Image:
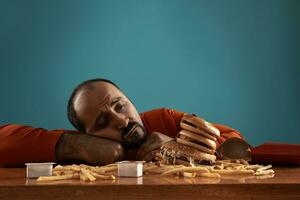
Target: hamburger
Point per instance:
(195, 143)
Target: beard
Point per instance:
(133, 135)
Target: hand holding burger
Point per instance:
(195, 143)
(151, 146)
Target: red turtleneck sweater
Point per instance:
(20, 144)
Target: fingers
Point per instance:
(153, 142)
(149, 145)
(150, 155)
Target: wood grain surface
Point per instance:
(284, 185)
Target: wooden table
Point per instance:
(284, 185)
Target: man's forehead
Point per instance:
(95, 92)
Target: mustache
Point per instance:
(132, 138)
(131, 125)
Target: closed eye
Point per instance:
(120, 107)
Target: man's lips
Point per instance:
(133, 136)
(131, 131)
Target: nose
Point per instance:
(119, 120)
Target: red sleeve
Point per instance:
(167, 121)
(163, 120)
(21, 144)
(225, 133)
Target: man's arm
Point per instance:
(83, 148)
(167, 122)
(21, 144)
(225, 131)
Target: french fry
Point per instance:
(264, 172)
(86, 175)
(253, 167)
(233, 172)
(206, 166)
(57, 173)
(68, 167)
(111, 168)
(82, 177)
(58, 167)
(110, 165)
(67, 172)
(106, 177)
(184, 169)
(209, 175)
(189, 174)
(264, 168)
(105, 169)
(55, 178)
(163, 168)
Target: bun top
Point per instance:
(199, 123)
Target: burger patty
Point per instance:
(185, 155)
(189, 123)
(171, 160)
(193, 140)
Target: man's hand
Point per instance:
(81, 147)
(151, 146)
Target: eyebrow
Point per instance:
(113, 102)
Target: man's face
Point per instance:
(106, 112)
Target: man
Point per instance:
(109, 129)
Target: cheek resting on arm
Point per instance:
(87, 149)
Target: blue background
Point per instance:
(232, 62)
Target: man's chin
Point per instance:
(136, 140)
(130, 145)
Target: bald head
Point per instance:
(98, 107)
(86, 85)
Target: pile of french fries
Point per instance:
(82, 172)
(217, 170)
